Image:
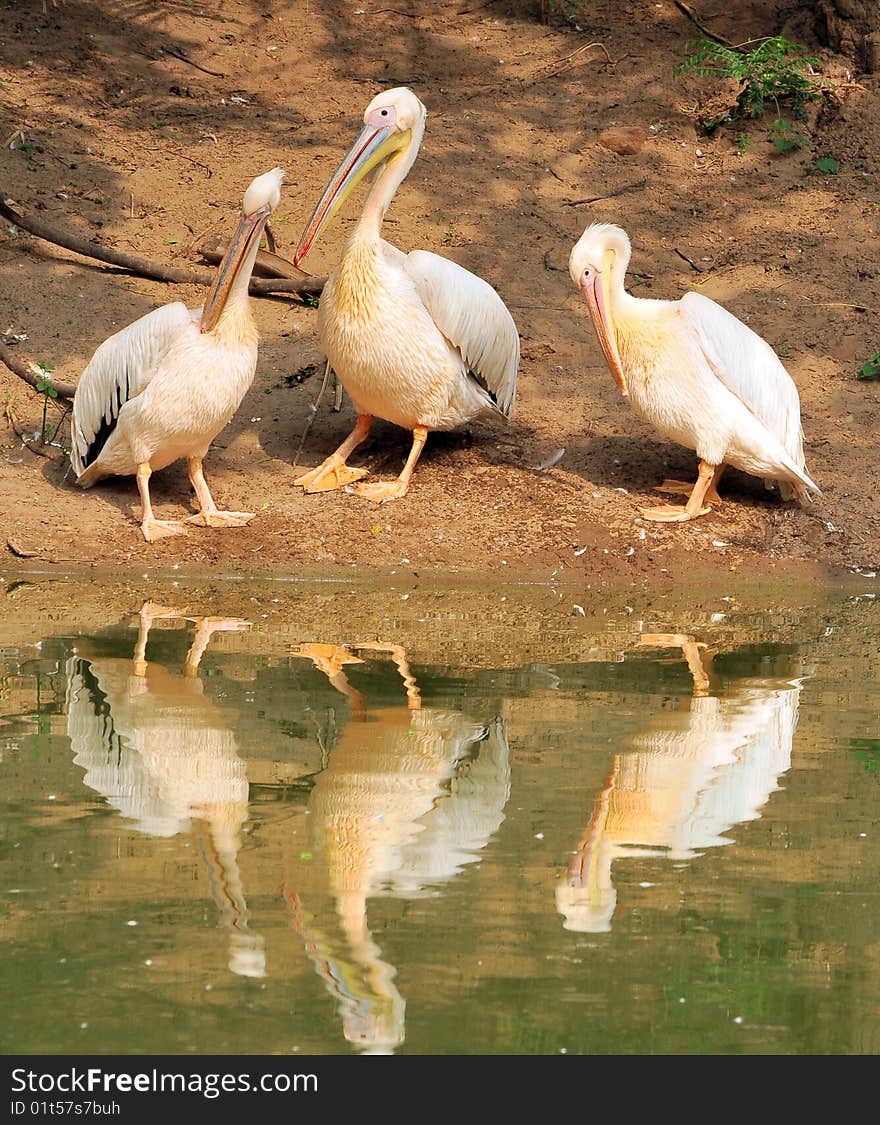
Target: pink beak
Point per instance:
(594, 296)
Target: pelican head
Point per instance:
(600, 255)
(260, 200)
(394, 121)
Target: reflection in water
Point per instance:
(409, 797)
(163, 754)
(687, 780)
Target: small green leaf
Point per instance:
(827, 164)
(871, 369)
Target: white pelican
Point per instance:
(414, 338)
(687, 780)
(165, 386)
(409, 797)
(698, 374)
(164, 754)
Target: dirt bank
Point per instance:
(127, 140)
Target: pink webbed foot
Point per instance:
(380, 492)
(221, 519)
(329, 477)
(158, 529)
(672, 513)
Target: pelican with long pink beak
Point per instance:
(166, 385)
(698, 374)
(414, 338)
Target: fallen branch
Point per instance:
(694, 18)
(689, 261)
(268, 264)
(15, 365)
(610, 195)
(143, 267)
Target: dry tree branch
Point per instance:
(285, 279)
(15, 365)
(143, 267)
(694, 18)
(689, 261)
(609, 195)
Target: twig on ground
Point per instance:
(143, 267)
(313, 413)
(548, 265)
(189, 62)
(566, 63)
(477, 7)
(609, 195)
(687, 10)
(689, 261)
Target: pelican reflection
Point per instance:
(409, 797)
(688, 779)
(162, 753)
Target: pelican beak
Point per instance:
(374, 144)
(250, 228)
(596, 296)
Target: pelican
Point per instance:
(164, 755)
(698, 374)
(409, 797)
(683, 783)
(414, 338)
(165, 386)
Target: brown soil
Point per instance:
(126, 142)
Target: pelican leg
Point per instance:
(690, 649)
(150, 612)
(151, 527)
(206, 627)
(684, 488)
(384, 490)
(329, 659)
(209, 516)
(398, 655)
(334, 473)
(678, 513)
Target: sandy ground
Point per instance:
(127, 143)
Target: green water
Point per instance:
(247, 838)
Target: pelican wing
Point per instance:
(119, 371)
(748, 367)
(473, 318)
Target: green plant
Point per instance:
(827, 165)
(871, 368)
(776, 70)
(867, 751)
(787, 137)
(47, 389)
(742, 143)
